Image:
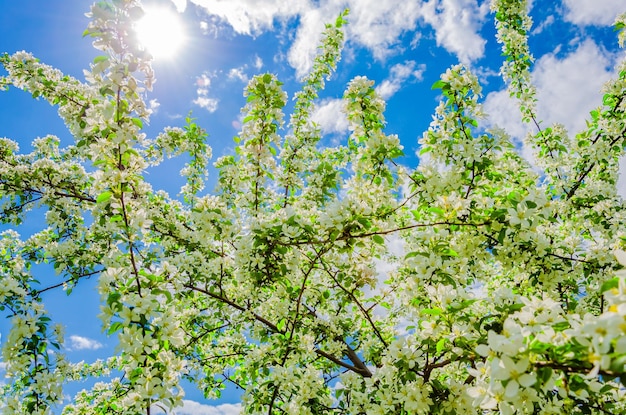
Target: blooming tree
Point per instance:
(502, 289)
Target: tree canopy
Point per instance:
(319, 279)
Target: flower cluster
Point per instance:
(318, 279)
(513, 24)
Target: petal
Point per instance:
(621, 257)
(522, 365)
(483, 350)
(511, 389)
(527, 379)
(620, 345)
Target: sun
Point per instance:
(161, 32)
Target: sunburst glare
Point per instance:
(161, 32)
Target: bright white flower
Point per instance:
(515, 373)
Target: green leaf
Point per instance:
(378, 239)
(416, 214)
(438, 84)
(104, 196)
(116, 218)
(281, 325)
(608, 100)
(166, 293)
(440, 344)
(544, 374)
(116, 326)
(618, 364)
(530, 204)
(514, 196)
(563, 325)
(137, 122)
(113, 298)
(100, 58)
(267, 78)
(610, 284)
(436, 210)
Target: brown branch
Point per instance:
(358, 367)
(194, 339)
(55, 192)
(234, 305)
(356, 360)
(568, 258)
(584, 174)
(131, 247)
(359, 305)
(429, 368)
(361, 369)
(306, 276)
(52, 287)
(347, 236)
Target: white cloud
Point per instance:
(181, 5)
(258, 62)
(541, 27)
(330, 116)
(238, 73)
(456, 24)
(377, 24)
(203, 82)
(598, 12)
(567, 89)
(83, 343)
(387, 88)
(209, 104)
(252, 17)
(409, 71)
(195, 408)
(503, 112)
(374, 24)
(329, 113)
(304, 46)
(154, 105)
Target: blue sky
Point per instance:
(401, 44)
